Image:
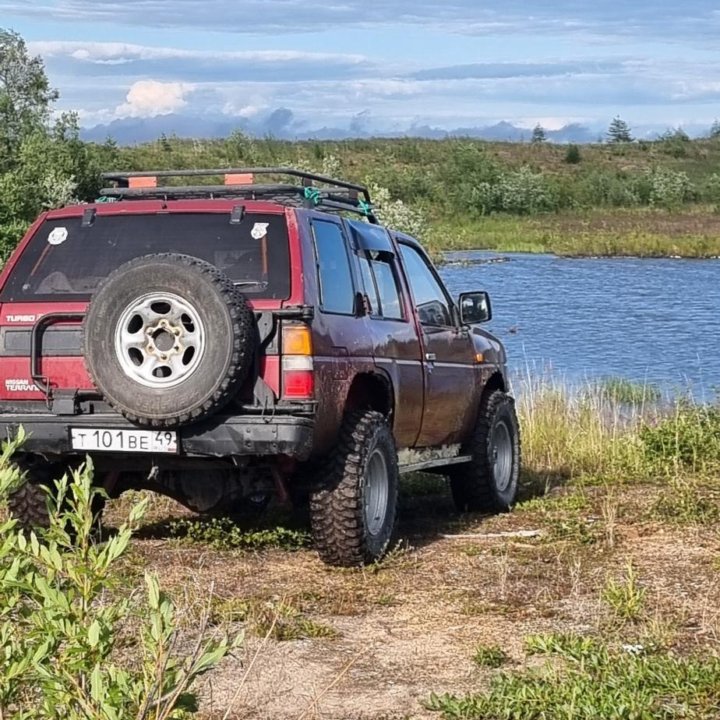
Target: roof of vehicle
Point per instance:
(140, 207)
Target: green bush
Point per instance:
(669, 188)
(572, 155)
(73, 643)
(605, 189)
(688, 438)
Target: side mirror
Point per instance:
(474, 308)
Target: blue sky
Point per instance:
(381, 65)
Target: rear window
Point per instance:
(65, 259)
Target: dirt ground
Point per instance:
(374, 643)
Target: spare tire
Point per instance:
(168, 339)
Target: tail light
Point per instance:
(298, 378)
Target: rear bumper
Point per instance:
(219, 436)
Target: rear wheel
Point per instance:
(353, 510)
(489, 482)
(28, 504)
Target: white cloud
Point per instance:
(113, 52)
(148, 98)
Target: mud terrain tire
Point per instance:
(354, 505)
(28, 503)
(490, 481)
(168, 339)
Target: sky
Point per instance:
(384, 66)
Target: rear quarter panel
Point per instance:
(342, 347)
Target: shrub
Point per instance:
(605, 189)
(572, 155)
(398, 215)
(689, 438)
(73, 644)
(669, 188)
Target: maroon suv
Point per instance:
(218, 343)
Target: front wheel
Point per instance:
(489, 482)
(354, 506)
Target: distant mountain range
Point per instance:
(280, 124)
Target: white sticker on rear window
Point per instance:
(259, 230)
(58, 236)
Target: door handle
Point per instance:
(430, 357)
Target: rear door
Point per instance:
(396, 346)
(448, 354)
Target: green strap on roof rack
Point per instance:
(313, 195)
(365, 208)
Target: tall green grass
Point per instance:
(614, 432)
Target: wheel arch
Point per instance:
(371, 390)
(495, 382)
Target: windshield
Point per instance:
(64, 258)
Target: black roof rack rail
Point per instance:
(333, 194)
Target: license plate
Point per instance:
(141, 441)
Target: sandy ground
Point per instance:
(409, 626)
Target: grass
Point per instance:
(640, 232)
(613, 433)
(627, 392)
(489, 656)
(625, 597)
(591, 680)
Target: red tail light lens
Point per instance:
(299, 384)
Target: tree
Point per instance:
(619, 131)
(572, 155)
(25, 95)
(715, 129)
(538, 135)
(43, 162)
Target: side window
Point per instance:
(388, 289)
(369, 284)
(336, 286)
(430, 300)
(381, 285)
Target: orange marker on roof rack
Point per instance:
(142, 182)
(239, 178)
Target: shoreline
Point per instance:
(687, 234)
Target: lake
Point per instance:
(651, 321)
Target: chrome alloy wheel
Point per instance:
(159, 340)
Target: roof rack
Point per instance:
(332, 194)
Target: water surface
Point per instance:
(651, 321)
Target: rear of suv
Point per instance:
(221, 343)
